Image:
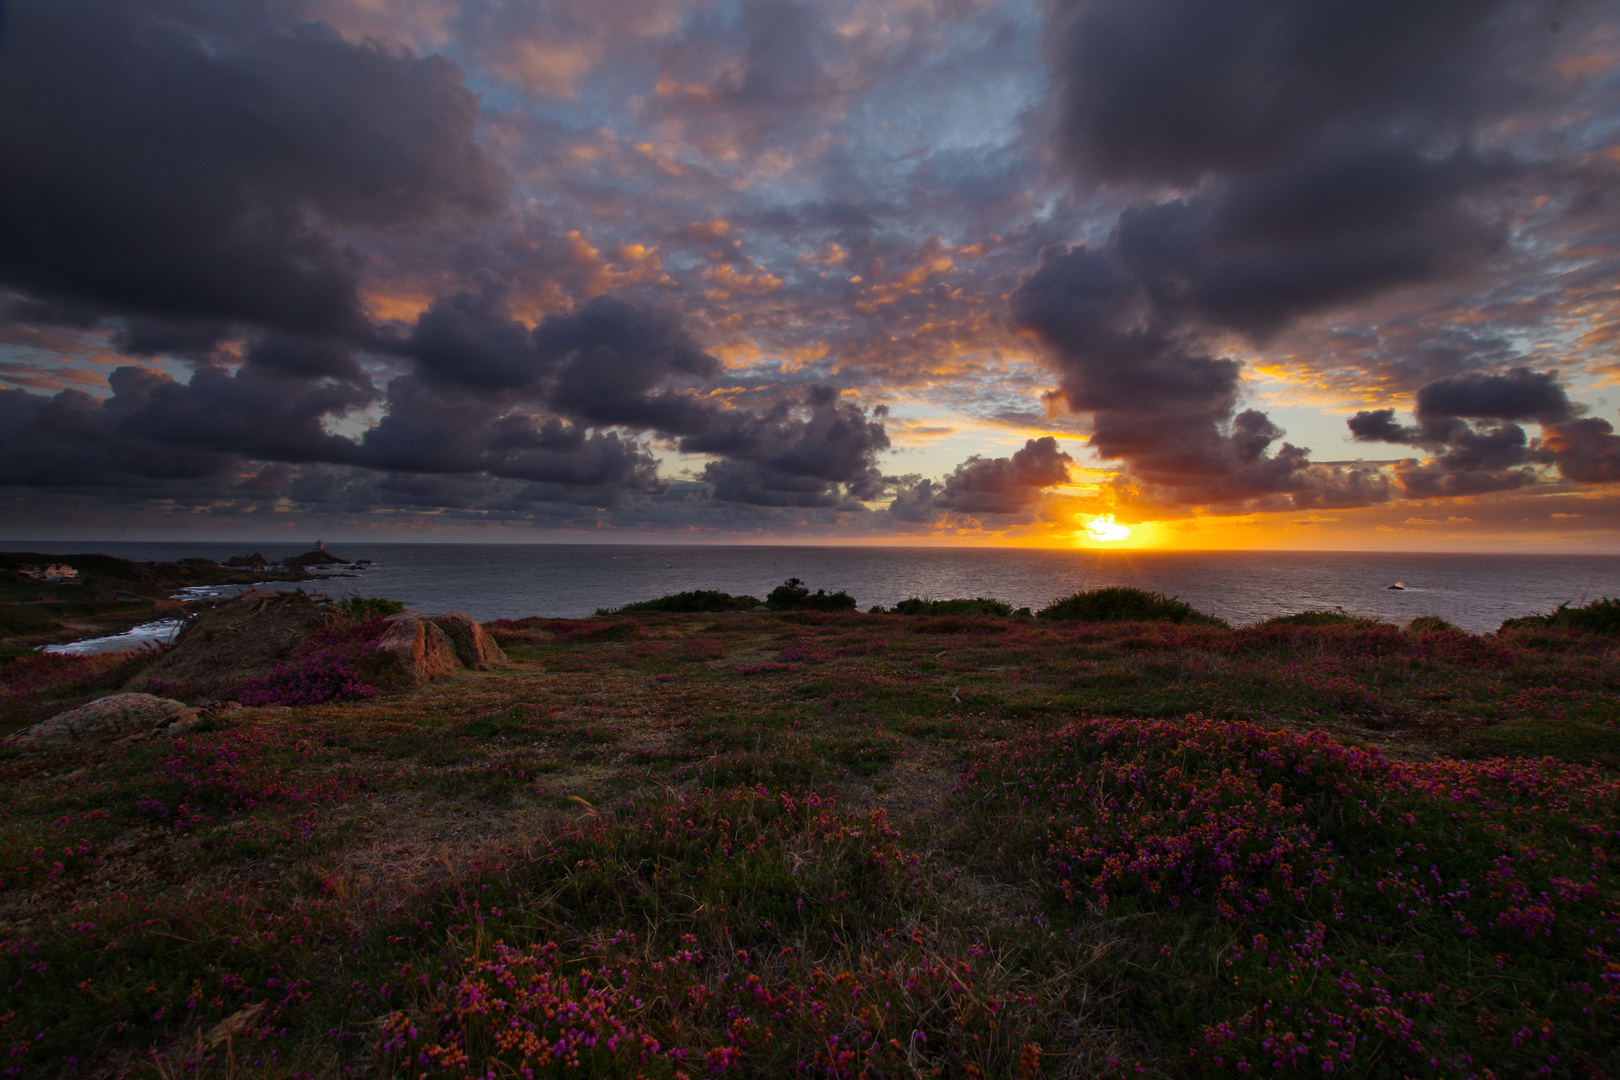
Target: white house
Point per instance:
(53, 572)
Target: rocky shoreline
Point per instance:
(110, 596)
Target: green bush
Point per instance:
(1601, 616)
(961, 606)
(1336, 617)
(794, 595)
(360, 608)
(1431, 624)
(1122, 603)
(696, 600)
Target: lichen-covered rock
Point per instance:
(474, 648)
(107, 719)
(422, 651)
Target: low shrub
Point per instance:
(1334, 905)
(1122, 603)
(695, 600)
(359, 608)
(1601, 616)
(342, 663)
(794, 595)
(980, 605)
(1432, 624)
(1336, 617)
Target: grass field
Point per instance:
(835, 845)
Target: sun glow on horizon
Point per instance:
(1105, 529)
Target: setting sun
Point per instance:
(1104, 529)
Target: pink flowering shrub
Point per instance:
(216, 775)
(701, 649)
(1164, 812)
(524, 1010)
(777, 954)
(1366, 893)
(804, 651)
(337, 664)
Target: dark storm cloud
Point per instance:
(1168, 90)
(1129, 328)
(155, 431)
(73, 440)
(256, 415)
(1158, 398)
(1445, 406)
(612, 362)
(610, 356)
(1585, 450)
(817, 451)
(1380, 425)
(144, 336)
(607, 362)
(296, 356)
(1255, 252)
(1132, 322)
(1467, 423)
(431, 429)
(470, 339)
(153, 427)
(1330, 149)
(1520, 394)
(194, 160)
(490, 399)
(980, 485)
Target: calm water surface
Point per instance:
(508, 581)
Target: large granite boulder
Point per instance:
(475, 649)
(420, 649)
(109, 719)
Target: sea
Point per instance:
(492, 581)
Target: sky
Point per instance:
(1184, 274)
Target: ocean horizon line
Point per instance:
(862, 545)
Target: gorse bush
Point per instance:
(961, 606)
(697, 600)
(360, 608)
(794, 595)
(1601, 616)
(1122, 603)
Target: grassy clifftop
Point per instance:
(840, 844)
